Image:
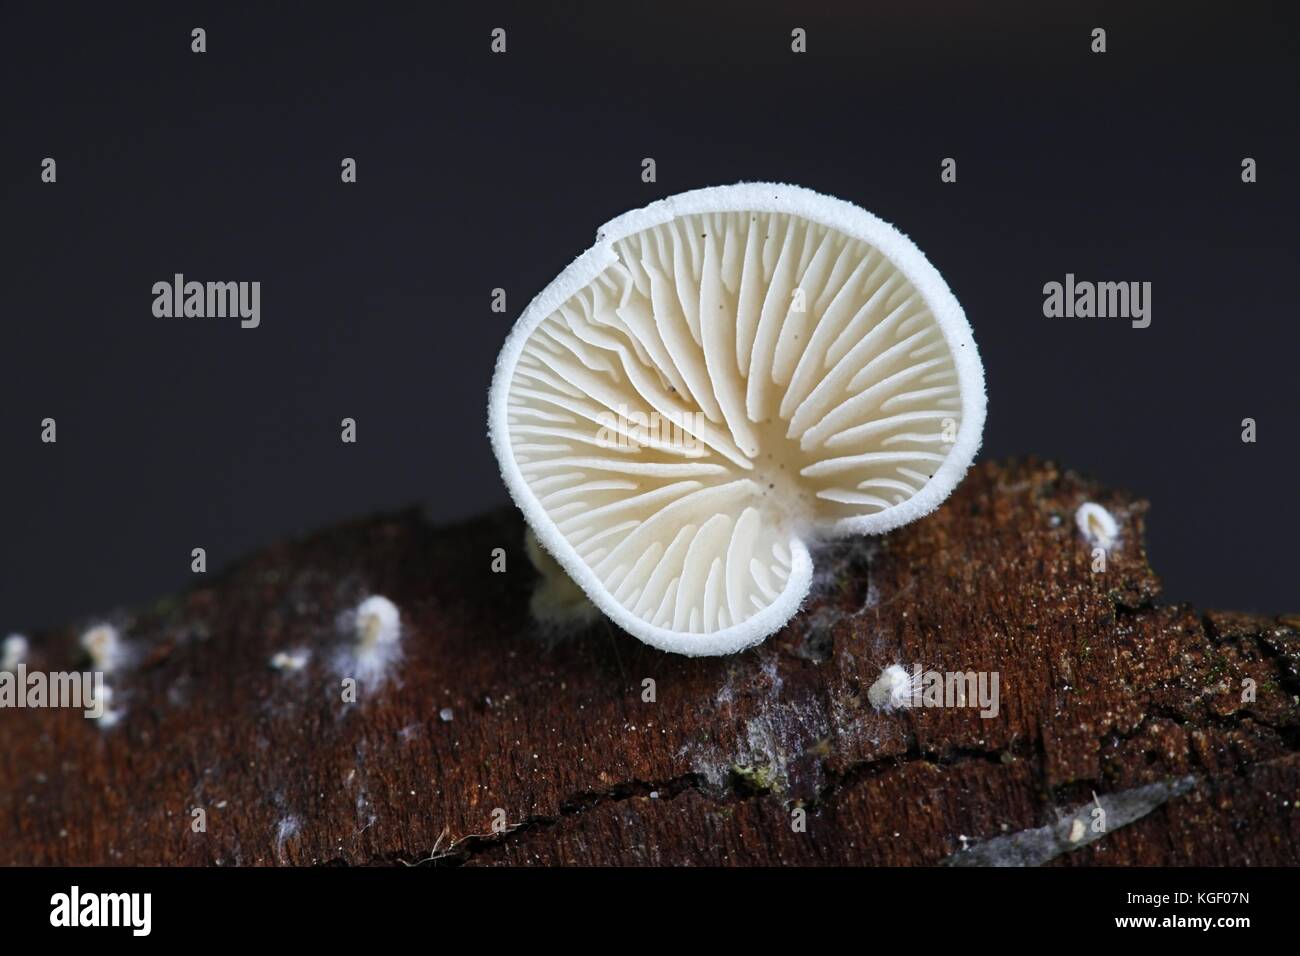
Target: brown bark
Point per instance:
(1107, 698)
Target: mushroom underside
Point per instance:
(734, 386)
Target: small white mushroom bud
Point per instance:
(294, 660)
(103, 645)
(13, 653)
(1097, 525)
(895, 689)
(374, 631)
(378, 623)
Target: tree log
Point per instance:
(491, 741)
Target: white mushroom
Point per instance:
(894, 689)
(726, 378)
(1097, 525)
(103, 645)
(375, 630)
(294, 660)
(13, 652)
(378, 623)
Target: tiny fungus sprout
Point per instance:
(375, 627)
(1097, 525)
(378, 623)
(725, 380)
(895, 689)
(294, 660)
(103, 645)
(13, 653)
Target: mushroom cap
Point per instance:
(725, 378)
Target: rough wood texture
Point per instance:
(1103, 691)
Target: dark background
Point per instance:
(477, 171)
